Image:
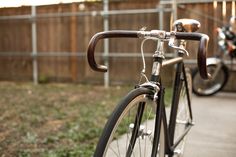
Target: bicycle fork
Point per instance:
(158, 58)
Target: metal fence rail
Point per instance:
(104, 14)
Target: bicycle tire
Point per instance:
(109, 141)
(183, 118)
(212, 86)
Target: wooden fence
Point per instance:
(59, 35)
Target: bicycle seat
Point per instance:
(186, 25)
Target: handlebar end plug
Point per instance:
(101, 68)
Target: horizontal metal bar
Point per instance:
(136, 11)
(86, 13)
(61, 54)
(16, 17)
(100, 54)
(200, 1)
(130, 54)
(192, 1)
(5, 54)
(40, 54)
(172, 61)
(67, 14)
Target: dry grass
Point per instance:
(53, 120)
(61, 120)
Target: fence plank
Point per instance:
(73, 43)
(72, 34)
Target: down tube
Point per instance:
(175, 102)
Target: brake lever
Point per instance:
(172, 45)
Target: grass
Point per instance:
(53, 120)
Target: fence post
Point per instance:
(175, 13)
(73, 44)
(106, 41)
(161, 17)
(34, 45)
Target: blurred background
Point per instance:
(46, 41)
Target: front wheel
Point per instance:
(184, 115)
(209, 87)
(130, 130)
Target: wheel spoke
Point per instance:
(211, 86)
(131, 135)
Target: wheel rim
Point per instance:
(121, 134)
(207, 87)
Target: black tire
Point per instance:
(120, 128)
(212, 86)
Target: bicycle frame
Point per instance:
(156, 79)
(155, 84)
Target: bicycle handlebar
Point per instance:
(102, 35)
(202, 49)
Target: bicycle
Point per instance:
(217, 68)
(138, 126)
